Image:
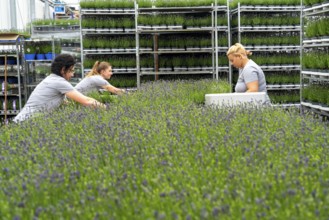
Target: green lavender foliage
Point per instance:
(159, 154)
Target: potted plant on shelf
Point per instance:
(29, 50)
(48, 51)
(58, 49)
(144, 3)
(146, 63)
(128, 24)
(88, 5)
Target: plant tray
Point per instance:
(193, 48)
(175, 26)
(147, 69)
(180, 68)
(165, 69)
(194, 68)
(165, 49)
(145, 49)
(120, 70)
(236, 99)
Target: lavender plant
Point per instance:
(158, 154)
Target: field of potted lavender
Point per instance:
(159, 153)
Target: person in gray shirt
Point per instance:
(50, 92)
(97, 78)
(251, 76)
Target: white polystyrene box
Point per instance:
(232, 99)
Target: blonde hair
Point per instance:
(98, 67)
(238, 49)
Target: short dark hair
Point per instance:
(62, 60)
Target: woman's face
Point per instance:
(235, 60)
(107, 73)
(68, 74)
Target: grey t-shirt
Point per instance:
(250, 73)
(48, 95)
(91, 83)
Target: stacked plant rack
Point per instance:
(108, 34)
(183, 35)
(38, 55)
(11, 75)
(271, 30)
(52, 37)
(47, 28)
(315, 59)
(148, 40)
(222, 40)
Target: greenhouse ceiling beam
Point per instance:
(50, 2)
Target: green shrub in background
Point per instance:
(234, 3)
(292, 77)
(144, 3)
(292, 97)
(87, 4)
(316, 93)
(312, 2)
(102, 4)
(316, 60)
(317, 28)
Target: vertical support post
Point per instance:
(156, 55)
(13, 14)
(5, 106)
(239, 23)
(32, 15)
(301, 57)
(215, 44)
(229, 42)
(81, 44)
(138, 74)
(18, 46)
(46, 10)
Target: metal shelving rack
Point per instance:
(59, 33)
(32, 78)
(15, 62)
(155, 32)
(314, 76)
(222, 10)
(261, 29)
(106, 32)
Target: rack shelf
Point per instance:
(322, 110)
(284, 87)
(316, 76)
(155, 51)
(11, 48)
(316, 42)
(313, 78)
(256, 36)
(317, 10)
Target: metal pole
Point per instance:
(32, 14)
(81, 44)
(5, 91)
(239, 24)
(229, 42)
(301, 57)
(46, 10)
(216, 42)
(137, 47)
(13, 14)
(19, 42)
(156, 55)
